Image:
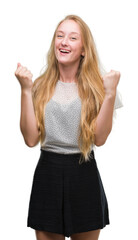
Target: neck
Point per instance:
(68, 73)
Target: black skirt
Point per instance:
(67, 197)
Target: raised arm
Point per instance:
(28, 123)
(105, 116)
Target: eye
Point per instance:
(73, 38)
(59, 36)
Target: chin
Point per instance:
(64, 62)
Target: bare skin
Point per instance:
(28, 124)
(90, 235)
(105, 116)
(68, 66)
(40, 235)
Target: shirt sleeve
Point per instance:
(118, 101)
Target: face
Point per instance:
(68, 43)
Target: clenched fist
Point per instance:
(24, 77)
(110, 81)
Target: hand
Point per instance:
(110, 81)
(24, 77)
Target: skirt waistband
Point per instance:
(63, 159)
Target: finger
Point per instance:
(119, 74)
(18, 65)
(29, 74)
(17, 70)
(25, 73)
(22, 70)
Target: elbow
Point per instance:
(30, 144)
(100, 142)
(100, 138)
(30, 140)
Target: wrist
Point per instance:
(26, 90)
(110, 97)
(110, 94)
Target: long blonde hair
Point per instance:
(90, 88)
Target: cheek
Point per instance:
(78, 50)
(55, 48)
(55, 45)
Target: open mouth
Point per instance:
(64, 51)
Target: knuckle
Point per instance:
(22, 75)
(28, 71)
(20, 68)
(118, 74)
(16, 74)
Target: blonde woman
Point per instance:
(69, 110)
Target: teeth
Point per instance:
(64, 51)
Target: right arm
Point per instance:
(28, 123)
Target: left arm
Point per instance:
(105, 116)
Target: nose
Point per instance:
(64, 41)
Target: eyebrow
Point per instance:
(70, 32)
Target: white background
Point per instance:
(26, 31)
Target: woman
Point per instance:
(69, 109)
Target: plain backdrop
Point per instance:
(26, 29)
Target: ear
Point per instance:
(83, 54)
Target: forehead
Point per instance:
(68, 26)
